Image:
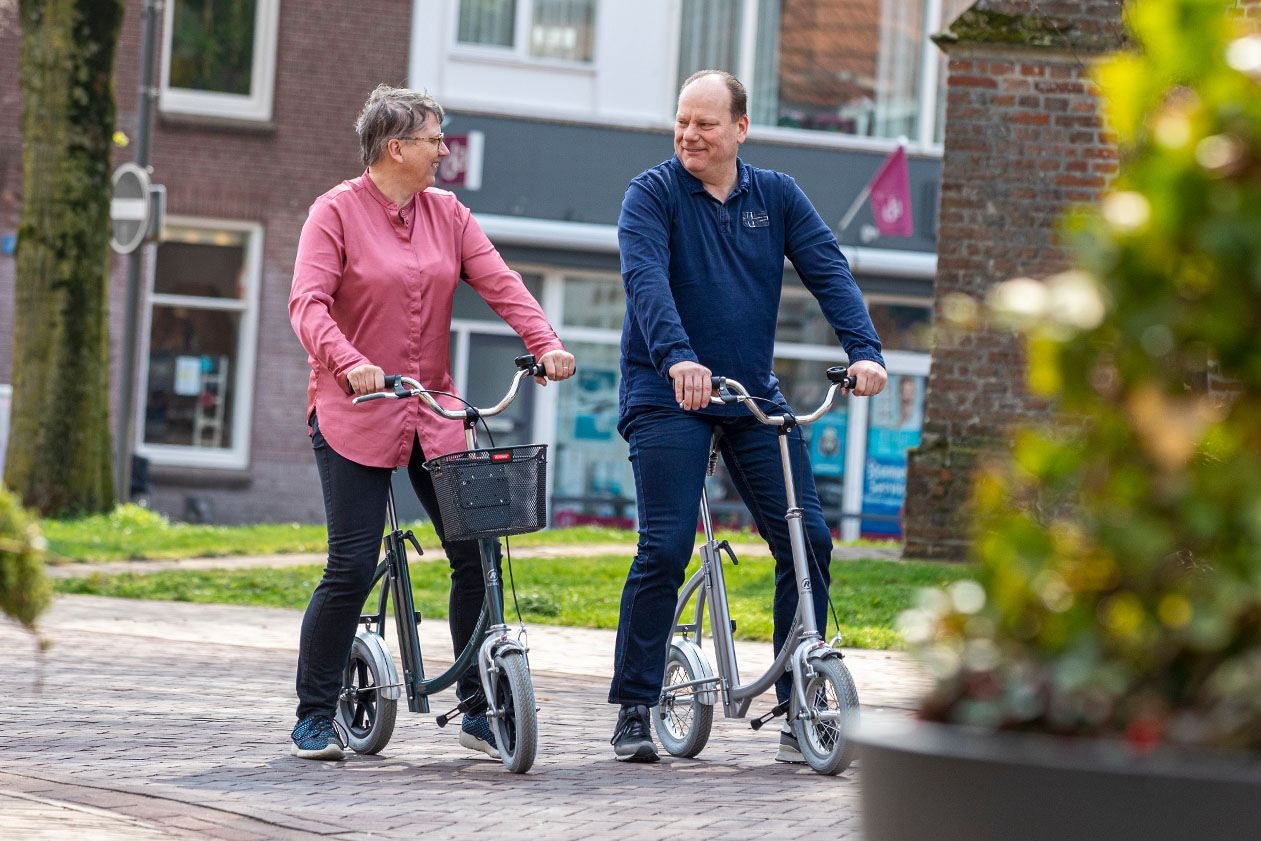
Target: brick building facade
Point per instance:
(1024, 142)
(260, 172)
(548, 142)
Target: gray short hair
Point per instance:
(392, 112)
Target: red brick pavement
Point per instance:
(132, 735)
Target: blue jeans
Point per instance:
(354, 502)
(668, 451)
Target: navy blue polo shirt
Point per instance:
(703, 281)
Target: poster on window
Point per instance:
(827, 444)
(895, 426)
(188, 376)
(595, 409)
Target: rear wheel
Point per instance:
(362, 710)
(681, 720)
(516, 725)
(825, 738)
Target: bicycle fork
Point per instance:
(496, 640)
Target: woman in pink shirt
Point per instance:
(377, 265)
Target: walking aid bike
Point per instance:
(823, 706)
(483, 495)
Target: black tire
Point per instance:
(827, 743)
(516, 728)
(683, 722)
(366, 716)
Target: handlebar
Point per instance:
(728, 391)
(406, 387)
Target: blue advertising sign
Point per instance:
(827, 444)
(895, 427)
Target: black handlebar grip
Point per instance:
(527, 363)
(393, 380)
(838, 375)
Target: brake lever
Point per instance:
(376, 395)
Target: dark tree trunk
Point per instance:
(59, 457)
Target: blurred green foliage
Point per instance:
(1120, 546)
(24, 591)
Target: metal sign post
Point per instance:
(144, 227)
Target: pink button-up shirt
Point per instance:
(373, 284)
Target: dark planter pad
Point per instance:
(944, 783)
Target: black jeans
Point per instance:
(354, 504)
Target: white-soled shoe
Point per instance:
(475, 735)
(789, 749)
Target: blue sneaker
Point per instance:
(316, 737)
(475, 735)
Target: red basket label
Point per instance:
(501, 457)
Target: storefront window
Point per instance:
(595, 302)
(804, 384)
(201, 345)
(800, 319)
(592, 479)
(903, 326)
(467, 304)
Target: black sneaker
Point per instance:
(316, 737)
(632, 740)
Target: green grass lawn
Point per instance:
(132, 532)
(582, 592)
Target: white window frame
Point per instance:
(255, 107)
(236, 457)
(519, 52)
(926, 93)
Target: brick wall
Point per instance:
(1023, 142)
(329, 56)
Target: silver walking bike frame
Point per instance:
(823, 707)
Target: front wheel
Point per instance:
(516, 725)
(826, 737)
(681, 720)
(363, 711)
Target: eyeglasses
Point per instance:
(436, 140)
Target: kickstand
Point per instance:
(776, 711)
(463, 707)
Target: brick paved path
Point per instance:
(170, 721)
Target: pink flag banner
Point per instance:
(891, 197)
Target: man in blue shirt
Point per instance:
(703, 238)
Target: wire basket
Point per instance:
(491, 493)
